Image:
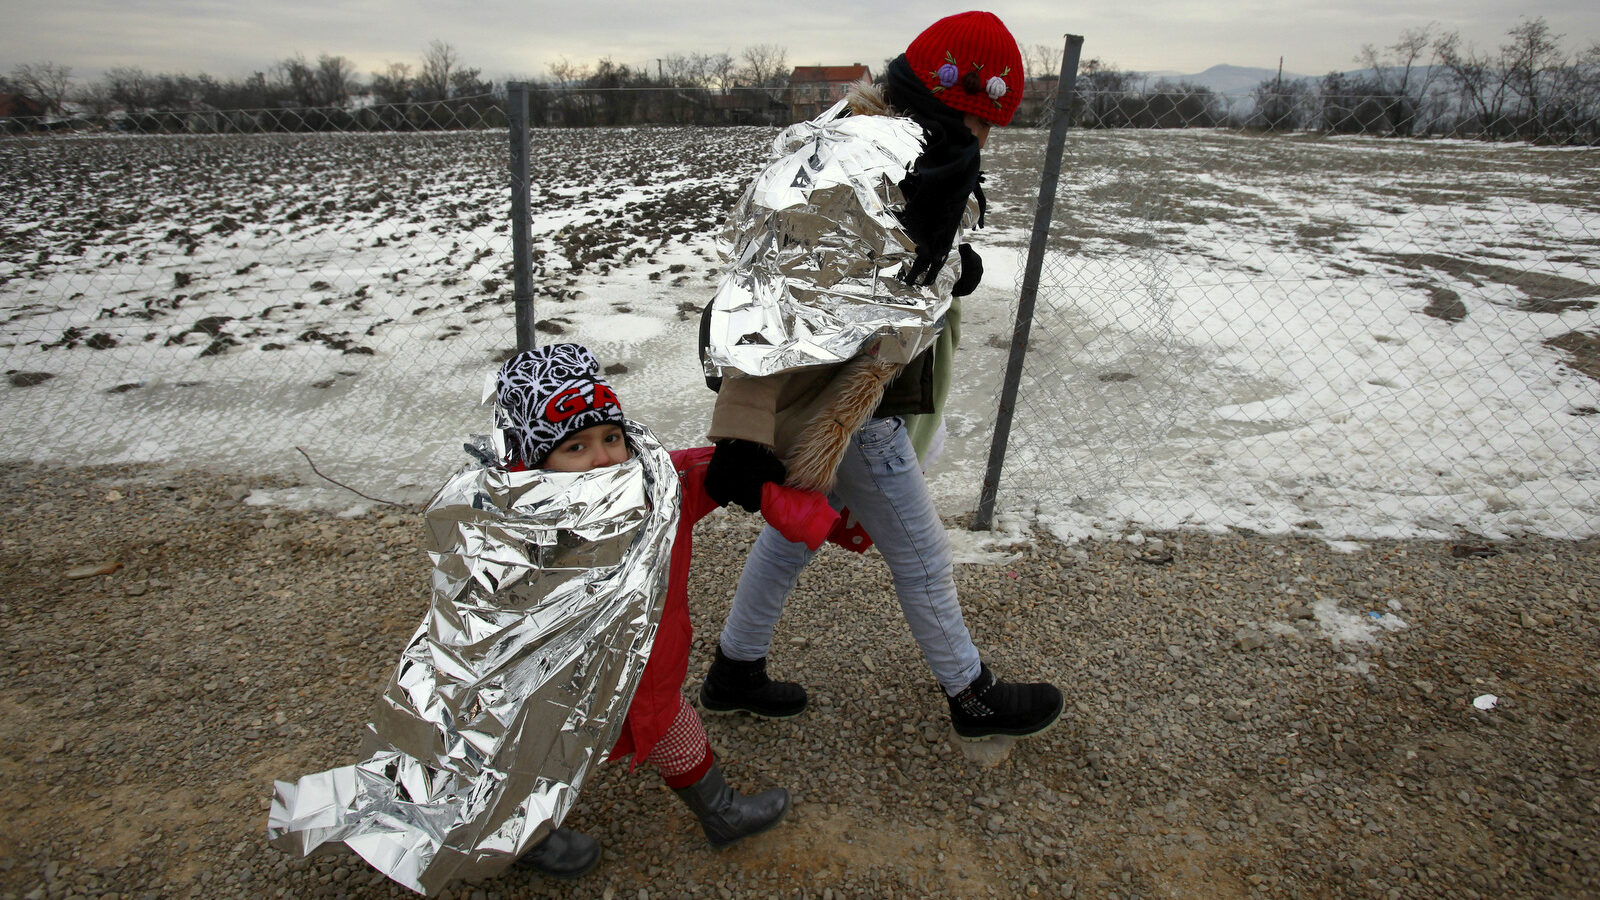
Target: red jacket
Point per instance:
(800, 515)
(655, 703)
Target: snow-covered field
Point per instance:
(1347, 337)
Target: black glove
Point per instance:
(971, 272)
(925, 267)
(737, 471)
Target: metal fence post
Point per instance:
(1065, 88)
(521, 276)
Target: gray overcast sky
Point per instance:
(230, 38)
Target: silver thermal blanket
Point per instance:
(547, 589)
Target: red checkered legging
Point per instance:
(682, 755)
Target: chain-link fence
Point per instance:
(1302, 331)
(225, 289)
(1313, 331)
(222, 287)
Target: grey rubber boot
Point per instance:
(563, 853)
(725, 814)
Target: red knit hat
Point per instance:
(972, 64)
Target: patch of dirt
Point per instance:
(1584, 349)
(1545, 292)
(1443, 303)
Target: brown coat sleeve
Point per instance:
(747, 409)
(771, 409)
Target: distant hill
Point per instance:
(1225, 79)
(1241, 80)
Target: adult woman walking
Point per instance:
(834, 327)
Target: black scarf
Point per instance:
(942, 178)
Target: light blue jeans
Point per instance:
(881, 482)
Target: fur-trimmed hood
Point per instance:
(867, 99)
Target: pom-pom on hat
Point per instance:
(544, 395)
(971, 63)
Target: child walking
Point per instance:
(558, 631)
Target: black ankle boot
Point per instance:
(563, 853)
(728, 816)
(733, 686)
(990, 707)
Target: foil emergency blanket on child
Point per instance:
(547, 590)
(814, 251)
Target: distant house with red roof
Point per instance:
(812, 89)
(19, 113)
(17, 105)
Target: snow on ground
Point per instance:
(1345, 338)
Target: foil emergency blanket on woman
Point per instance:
(547, 590)
(814, 250)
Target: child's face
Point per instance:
(592, 448)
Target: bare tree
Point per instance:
(439, 63)
(718, 71)
(178, 91)
(1095, 75)
(467, 82)
(253, 91)
(393, 84)
(1041, 60)
(1101, 95)
(572, 106)
(1281, 105)
(679, 70)
(335, 80)
(616, 100)
(567, 74)
(705, 71)
(297, 75)
(1482, 85)
(1585, 74)
(699, 75)
(1584, 87)
(47, 81)
(765, 65)
(1572, 110)
(1533, 55)
(128, 87)
(1401, 70)
(95, 97)
(328, 83)
(1399, 73)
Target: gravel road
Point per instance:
(1224, 736)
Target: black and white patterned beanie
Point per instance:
(543, 395)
